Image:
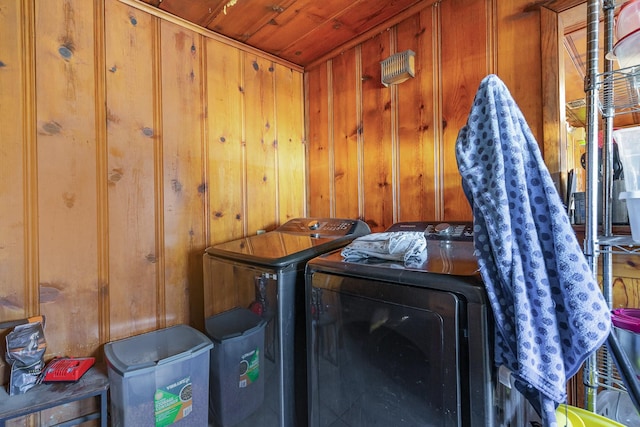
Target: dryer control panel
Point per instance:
(457, 231)
(450, 231)
(324, 226)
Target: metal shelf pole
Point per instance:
(591, 196)
(592, 243)
(606, 91)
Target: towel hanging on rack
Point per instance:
(549, 311)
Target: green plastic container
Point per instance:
(160, 378)
(236, 386)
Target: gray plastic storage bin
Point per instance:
(160, 378)
(236, 387)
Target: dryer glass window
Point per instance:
(383, 354)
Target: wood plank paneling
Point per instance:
(132, 136)
(183, 174)
(225, 122)
(291, 146)
(129, 162)
(416, 110)
(554, 143)
(260, 142)
(16, 164)
(426, 112)
(377, 137)
(347, 123)
(320, 141)
(67, 174)
(521, 72)
(464, 65)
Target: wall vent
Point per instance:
(398, 67)
(577, 103)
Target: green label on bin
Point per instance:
(173, 402)
(249, 368)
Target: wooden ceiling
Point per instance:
(299, 31)
(305, 32)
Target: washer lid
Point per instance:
(295, 241)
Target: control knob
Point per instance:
(443, 228)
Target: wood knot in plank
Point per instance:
(52, 128)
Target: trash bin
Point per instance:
(236, 385)
(626, 322)
(160, 378)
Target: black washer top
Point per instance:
(298, 240)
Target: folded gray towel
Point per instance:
(409, 247)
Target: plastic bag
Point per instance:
(26, 346)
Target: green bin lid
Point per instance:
(132, 355)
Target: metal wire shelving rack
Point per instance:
(609, 93)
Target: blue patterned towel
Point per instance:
(549, 311)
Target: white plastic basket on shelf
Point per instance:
(628, 143)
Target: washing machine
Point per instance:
(265, 273)
(396, 346)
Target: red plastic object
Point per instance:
(257, 308)
(67, 368)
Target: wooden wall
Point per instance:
(387, 154)
(129, 143)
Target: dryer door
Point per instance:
(383, 354)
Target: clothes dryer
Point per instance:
(404, 346)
